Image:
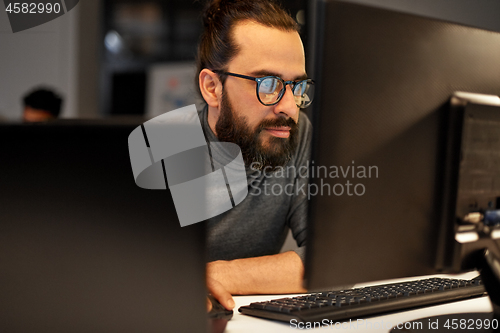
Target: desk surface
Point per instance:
(243, 324)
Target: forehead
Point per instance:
(266, 49)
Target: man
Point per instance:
(244, 42)
(41, 105)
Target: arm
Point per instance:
(275, 274)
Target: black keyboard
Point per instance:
(368, 301)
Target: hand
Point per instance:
(219, 293)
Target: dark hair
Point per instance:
(44, 99)
(216, 46)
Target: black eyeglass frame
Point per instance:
(259, 81)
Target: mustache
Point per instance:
(278, 122)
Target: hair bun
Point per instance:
(215, 7)
(211, 10)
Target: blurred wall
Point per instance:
(62, 54)
(89, 30)
(42, 55)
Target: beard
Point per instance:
(274, 153)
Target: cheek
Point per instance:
(245, 103)
(255, 117)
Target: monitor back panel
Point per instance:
(384, 79)
(82, 248)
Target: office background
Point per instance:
(102, 55)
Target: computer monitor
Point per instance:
(384, 80)
(82, 247)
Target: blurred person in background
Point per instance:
(40, 105)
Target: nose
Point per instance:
(287, 105)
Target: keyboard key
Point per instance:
(273, 307)
(259, 305)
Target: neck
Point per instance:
(213, 116)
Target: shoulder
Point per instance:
(305, 127)
(305, 130)
(303, 151)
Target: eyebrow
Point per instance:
(268, 73)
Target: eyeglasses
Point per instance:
(270, 89)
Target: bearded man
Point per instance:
(252, 76)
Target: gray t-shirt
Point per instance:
(276, 202)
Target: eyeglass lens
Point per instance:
(270, 91)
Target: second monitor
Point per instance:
(384, 81)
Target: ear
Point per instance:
(210, 87)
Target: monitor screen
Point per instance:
(384, 80)
(82, 247)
